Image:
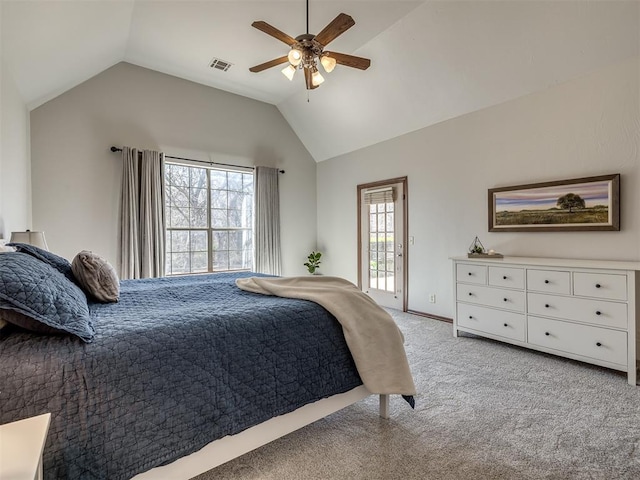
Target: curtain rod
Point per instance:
(117, 149)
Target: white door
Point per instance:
(382, 244)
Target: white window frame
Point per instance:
(209, 229)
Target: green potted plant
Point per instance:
(313, 262)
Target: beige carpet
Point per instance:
(485, 410)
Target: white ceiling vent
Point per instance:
(220, 64)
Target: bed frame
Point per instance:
(220, 451)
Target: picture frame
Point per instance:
(579, 204)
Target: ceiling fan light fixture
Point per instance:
(289, 71)
(316, 78)
(307, 50)
(295, 56)
(328, 63)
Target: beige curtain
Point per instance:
(142, 215)
(267, 257)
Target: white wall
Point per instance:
(15, 194)
(449, 58)
(76, 179)
(588, 126)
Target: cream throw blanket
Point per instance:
(372, 336)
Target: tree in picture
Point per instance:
(571, 201)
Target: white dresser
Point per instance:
(580, 309)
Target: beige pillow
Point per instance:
(96, 276)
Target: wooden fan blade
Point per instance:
(269, 64)
(338, 26)
(308, 80)
(350, 60)
(274, 32)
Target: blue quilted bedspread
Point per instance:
(177, 363)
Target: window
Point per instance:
(209, 219)
(381, 247)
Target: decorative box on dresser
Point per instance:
(581, 309)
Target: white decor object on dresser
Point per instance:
(21, 447)
(581, 309)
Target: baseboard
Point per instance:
(430, 315)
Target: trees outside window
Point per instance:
(209, 219)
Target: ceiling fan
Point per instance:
(307, 50)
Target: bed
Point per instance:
(174, 365)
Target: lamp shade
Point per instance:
(329, 63)
(32, 238)
(316, 78)
(289, 71)
(295, 57)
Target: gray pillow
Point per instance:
(96, 276)
(36, 296)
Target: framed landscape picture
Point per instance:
(585, 204)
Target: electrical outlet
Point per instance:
(432, 298)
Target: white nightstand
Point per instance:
(21, 446)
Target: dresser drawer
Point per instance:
(491, 297)
(468, 273)
(600, 285)
(596, 312)
(496, 322)
(549, 281)
(593, 342)
(506, 277)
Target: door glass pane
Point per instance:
(389, 266)
(390, 287)
(390, 244)
(372, 223)
(389, 222)
(382, 247)
(373, 279)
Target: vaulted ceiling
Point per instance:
(431, 60)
